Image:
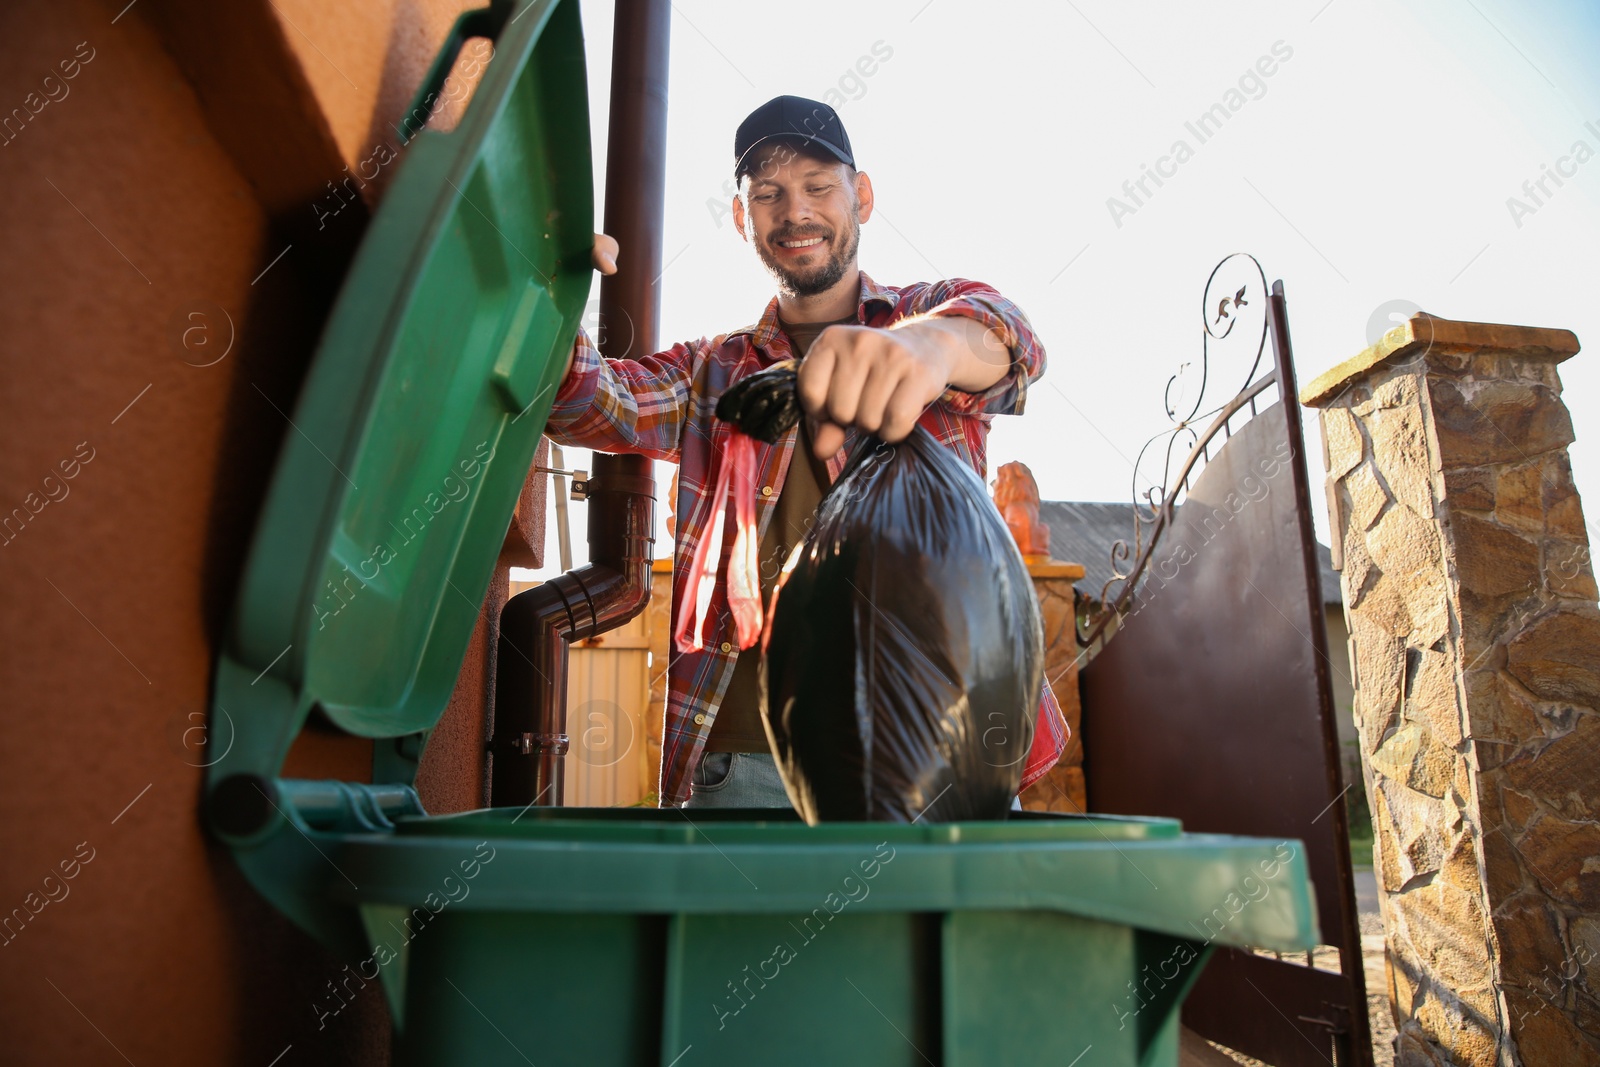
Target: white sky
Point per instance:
(1375, 165)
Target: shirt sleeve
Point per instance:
(975, 300)
(626, 405)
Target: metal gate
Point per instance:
(1210, 700)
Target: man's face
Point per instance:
(804, 217)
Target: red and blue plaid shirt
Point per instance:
(663, 406)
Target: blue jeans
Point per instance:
(737, 780)
(744, 780)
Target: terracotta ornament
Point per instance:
(1016, 494)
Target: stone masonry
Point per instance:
(1063, 788)
(1476, 653)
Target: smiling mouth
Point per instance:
(800, 243)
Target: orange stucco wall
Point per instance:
(158, 183)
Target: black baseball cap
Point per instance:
(786, 118)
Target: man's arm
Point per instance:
(603, 254)
(622, 405)
(975, 351)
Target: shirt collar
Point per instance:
(765, 329)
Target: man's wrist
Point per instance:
(959, 347)
(932, 345)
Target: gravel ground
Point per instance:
(1372, 958)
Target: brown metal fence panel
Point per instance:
(1212, 703)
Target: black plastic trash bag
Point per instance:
(903, 657)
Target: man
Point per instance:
(874, 360)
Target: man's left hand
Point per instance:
(880, 380)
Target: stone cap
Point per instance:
(1422, 331)
(1053, 568)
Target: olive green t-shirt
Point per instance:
(737, 727)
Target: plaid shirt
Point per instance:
(663, 406)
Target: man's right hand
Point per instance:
(604, 254)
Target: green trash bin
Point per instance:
(657, 937)
(599, 937)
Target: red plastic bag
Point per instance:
(737, 476)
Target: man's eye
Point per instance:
(765, 198)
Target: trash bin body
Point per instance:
(637, 936)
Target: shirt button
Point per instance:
(766, 490)
(726, 647)
(699, 720)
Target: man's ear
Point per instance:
(738, 216)
(863, 196)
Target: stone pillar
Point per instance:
(1476, 654)
(1063, 789)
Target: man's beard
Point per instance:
(815, 279)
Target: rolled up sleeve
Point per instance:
(625, 405)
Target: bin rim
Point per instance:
(1210, 888)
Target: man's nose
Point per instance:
(799, 208)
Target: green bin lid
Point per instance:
(417, 423)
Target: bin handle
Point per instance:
(479, 22)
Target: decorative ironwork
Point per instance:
(1225, 304)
